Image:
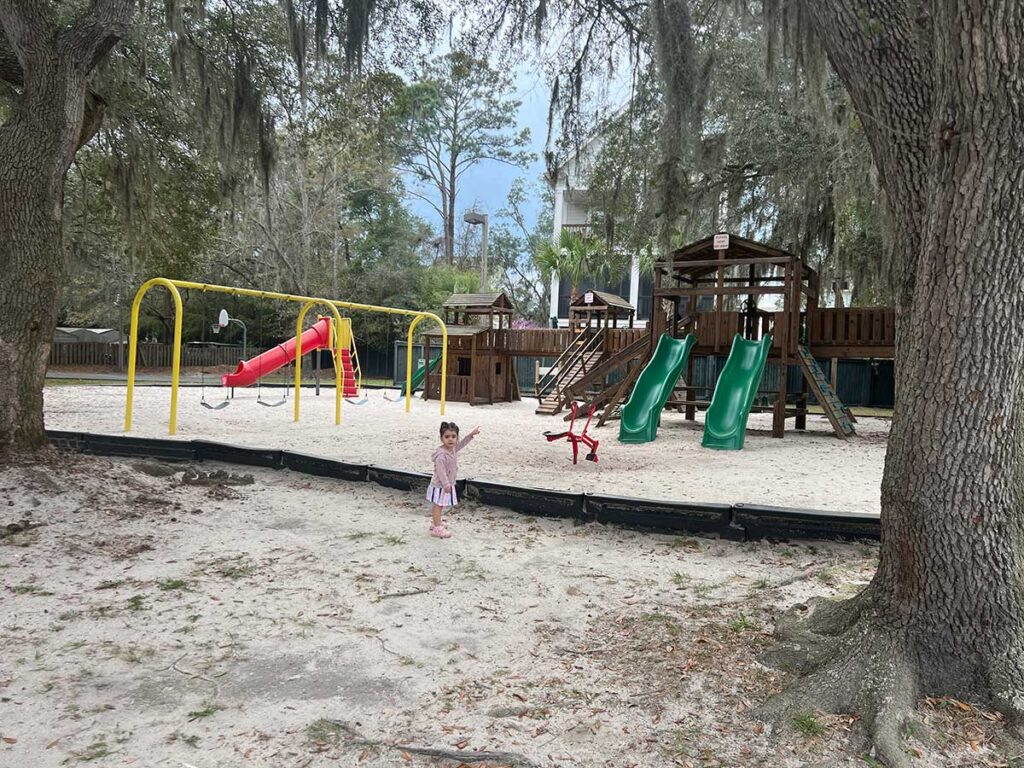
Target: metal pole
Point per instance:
(316, 370)
(483, 258)
(244, 335)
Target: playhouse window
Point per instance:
(465, 367)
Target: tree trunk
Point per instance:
(449, 206)
(952, 555)
(943, 614)
(31, 258)
(37, 145)
(837, 290)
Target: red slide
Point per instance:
(248, 371)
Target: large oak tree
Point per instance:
(939, 88)
(50, 62)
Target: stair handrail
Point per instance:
(552, 372)
(614, 361)
(357, 369)
(568, 351)
(572, 353)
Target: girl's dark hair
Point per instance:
(449, 426)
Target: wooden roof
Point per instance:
(701, 249)
(739, 248)
(603, 299)
(489, 302)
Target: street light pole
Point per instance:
(472, 217)
(483, 257)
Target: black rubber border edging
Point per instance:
(401, 479)
(532, 501)
(762, 522)
(121, 445)
(207, 450)
(323, 467)
(730, 521)
(663, 516)
(67, 441)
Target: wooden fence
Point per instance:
(150, 355)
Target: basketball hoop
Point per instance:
(215, 328)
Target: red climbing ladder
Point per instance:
(348, 375)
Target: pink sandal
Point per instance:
(440, 531)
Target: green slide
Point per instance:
(419, 374)
(725, 423)
(640, 416)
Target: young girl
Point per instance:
(441, 492)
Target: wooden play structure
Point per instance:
(594, 350)
(714, 288)
(480, 368)
(599, 309)
(739, 275)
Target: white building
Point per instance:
(573, 210)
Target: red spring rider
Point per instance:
(575, 439)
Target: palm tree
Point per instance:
(573, 258)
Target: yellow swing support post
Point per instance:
(417, 316)
(133, 346)
(341, 329)
(335, 344)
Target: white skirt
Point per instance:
(436, 495)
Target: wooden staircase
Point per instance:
(572, 367)
(838, 414)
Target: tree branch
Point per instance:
(97, 31)
(24, 24)
(883, 56)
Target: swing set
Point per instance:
(340, 331)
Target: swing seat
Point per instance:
(212, 406)
(361, 401)
(273, 405)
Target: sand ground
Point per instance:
(812, 469)
(297, 622)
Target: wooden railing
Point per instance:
(855, 327)
(541, 342)
(857, 332)
(620, 338)
(729, 324)
(552, 342)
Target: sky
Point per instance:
(485, 186)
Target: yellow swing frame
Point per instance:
(341, 329)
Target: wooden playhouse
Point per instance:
(480, 367)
